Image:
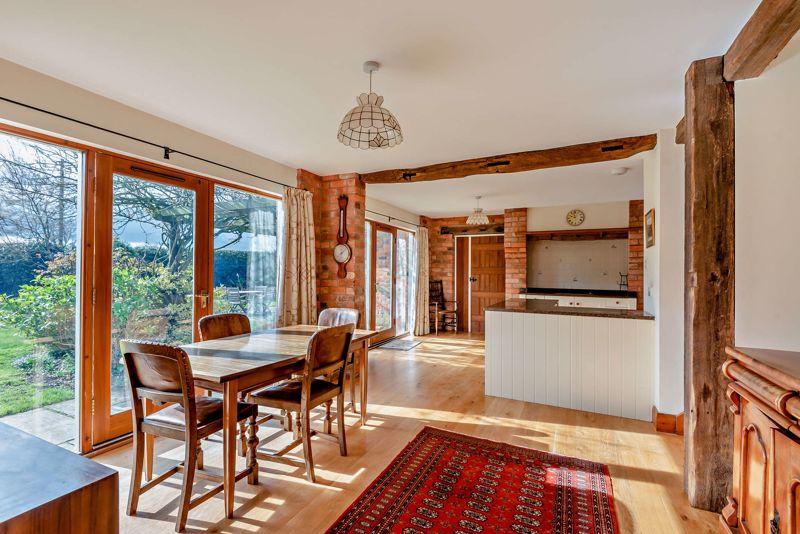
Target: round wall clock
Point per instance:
(576, 217)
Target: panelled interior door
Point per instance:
(152, 272)
(487, 277)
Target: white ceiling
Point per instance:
(465, 78)
(580, 184)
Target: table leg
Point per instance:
(363, 365)
(230, 431)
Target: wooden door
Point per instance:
(755, 432)
(487, 277)
(785, 505)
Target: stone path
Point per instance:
(55, 423)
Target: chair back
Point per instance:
(159, 373)
(337, 317)
(436, 293)
(328, 350)
(223, 325)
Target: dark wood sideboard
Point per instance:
(765, 400)
(47, 489)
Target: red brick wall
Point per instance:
(636, 250)
(332, 291)
(516, 252)
(442, 250)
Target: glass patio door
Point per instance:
(383, 275)
(151, 275)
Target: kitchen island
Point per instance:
(593, 359)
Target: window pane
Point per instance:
(152, 270)
(383, 280)
(246, 250)
(39, 214)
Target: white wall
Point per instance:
(600, 215)
(36, 89)
(391, 211)
(594, 264)
(767, 196)
(663, 266)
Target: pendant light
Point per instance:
(368, 125)
(478, 218)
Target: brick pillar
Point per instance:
(636, 250)
(516, 251)
(332, 291)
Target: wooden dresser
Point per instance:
(765, 398)
(44, 489)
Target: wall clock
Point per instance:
(342, 252)
(576, 217)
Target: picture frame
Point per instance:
(650, 228)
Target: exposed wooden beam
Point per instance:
(708, 289)
(680, 132)
(581, 234)
(612, 149)
(772, 25)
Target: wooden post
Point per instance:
(709, 316)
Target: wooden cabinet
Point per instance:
(765, 495)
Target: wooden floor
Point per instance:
(440, 383)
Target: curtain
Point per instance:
(298, 295)
(261, 262)
(422, 323)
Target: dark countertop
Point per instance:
(562, 292)
(552, 307)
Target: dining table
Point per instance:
(235, 364)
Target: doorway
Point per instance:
(480, 278)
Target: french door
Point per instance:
(151, 275)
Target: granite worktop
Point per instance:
(552, 307)
(563, 292)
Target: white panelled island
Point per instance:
(593, 359)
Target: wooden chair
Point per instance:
(161, 374)
(338, 317)
(227, 325)
(326, 356)
(442, 312)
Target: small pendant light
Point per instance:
(368, 125)
(478, 218)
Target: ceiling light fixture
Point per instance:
(368, 125)
(478, 218)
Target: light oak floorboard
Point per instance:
(439, 383)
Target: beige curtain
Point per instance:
(422, 324)
(298, 297)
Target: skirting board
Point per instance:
(664, 422)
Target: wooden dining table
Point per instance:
(234, 364)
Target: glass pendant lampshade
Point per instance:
(369, 125)
(478, 218)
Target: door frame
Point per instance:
(105, 425)
(467, 249)
(375, 227)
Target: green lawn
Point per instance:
(18, 393)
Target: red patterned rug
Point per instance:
(448, 482)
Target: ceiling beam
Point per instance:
(680, 132)
(612, 149)
(772, 25)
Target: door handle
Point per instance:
(203, 296)
(473, 279)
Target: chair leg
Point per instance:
(296, 430)
(327, 425)
(199, 455)
(305, 434)
(287, 420)
(136, 473)
(340, 423)
(189, 465)
(242, 439)
(149, 446)
(252, 444)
